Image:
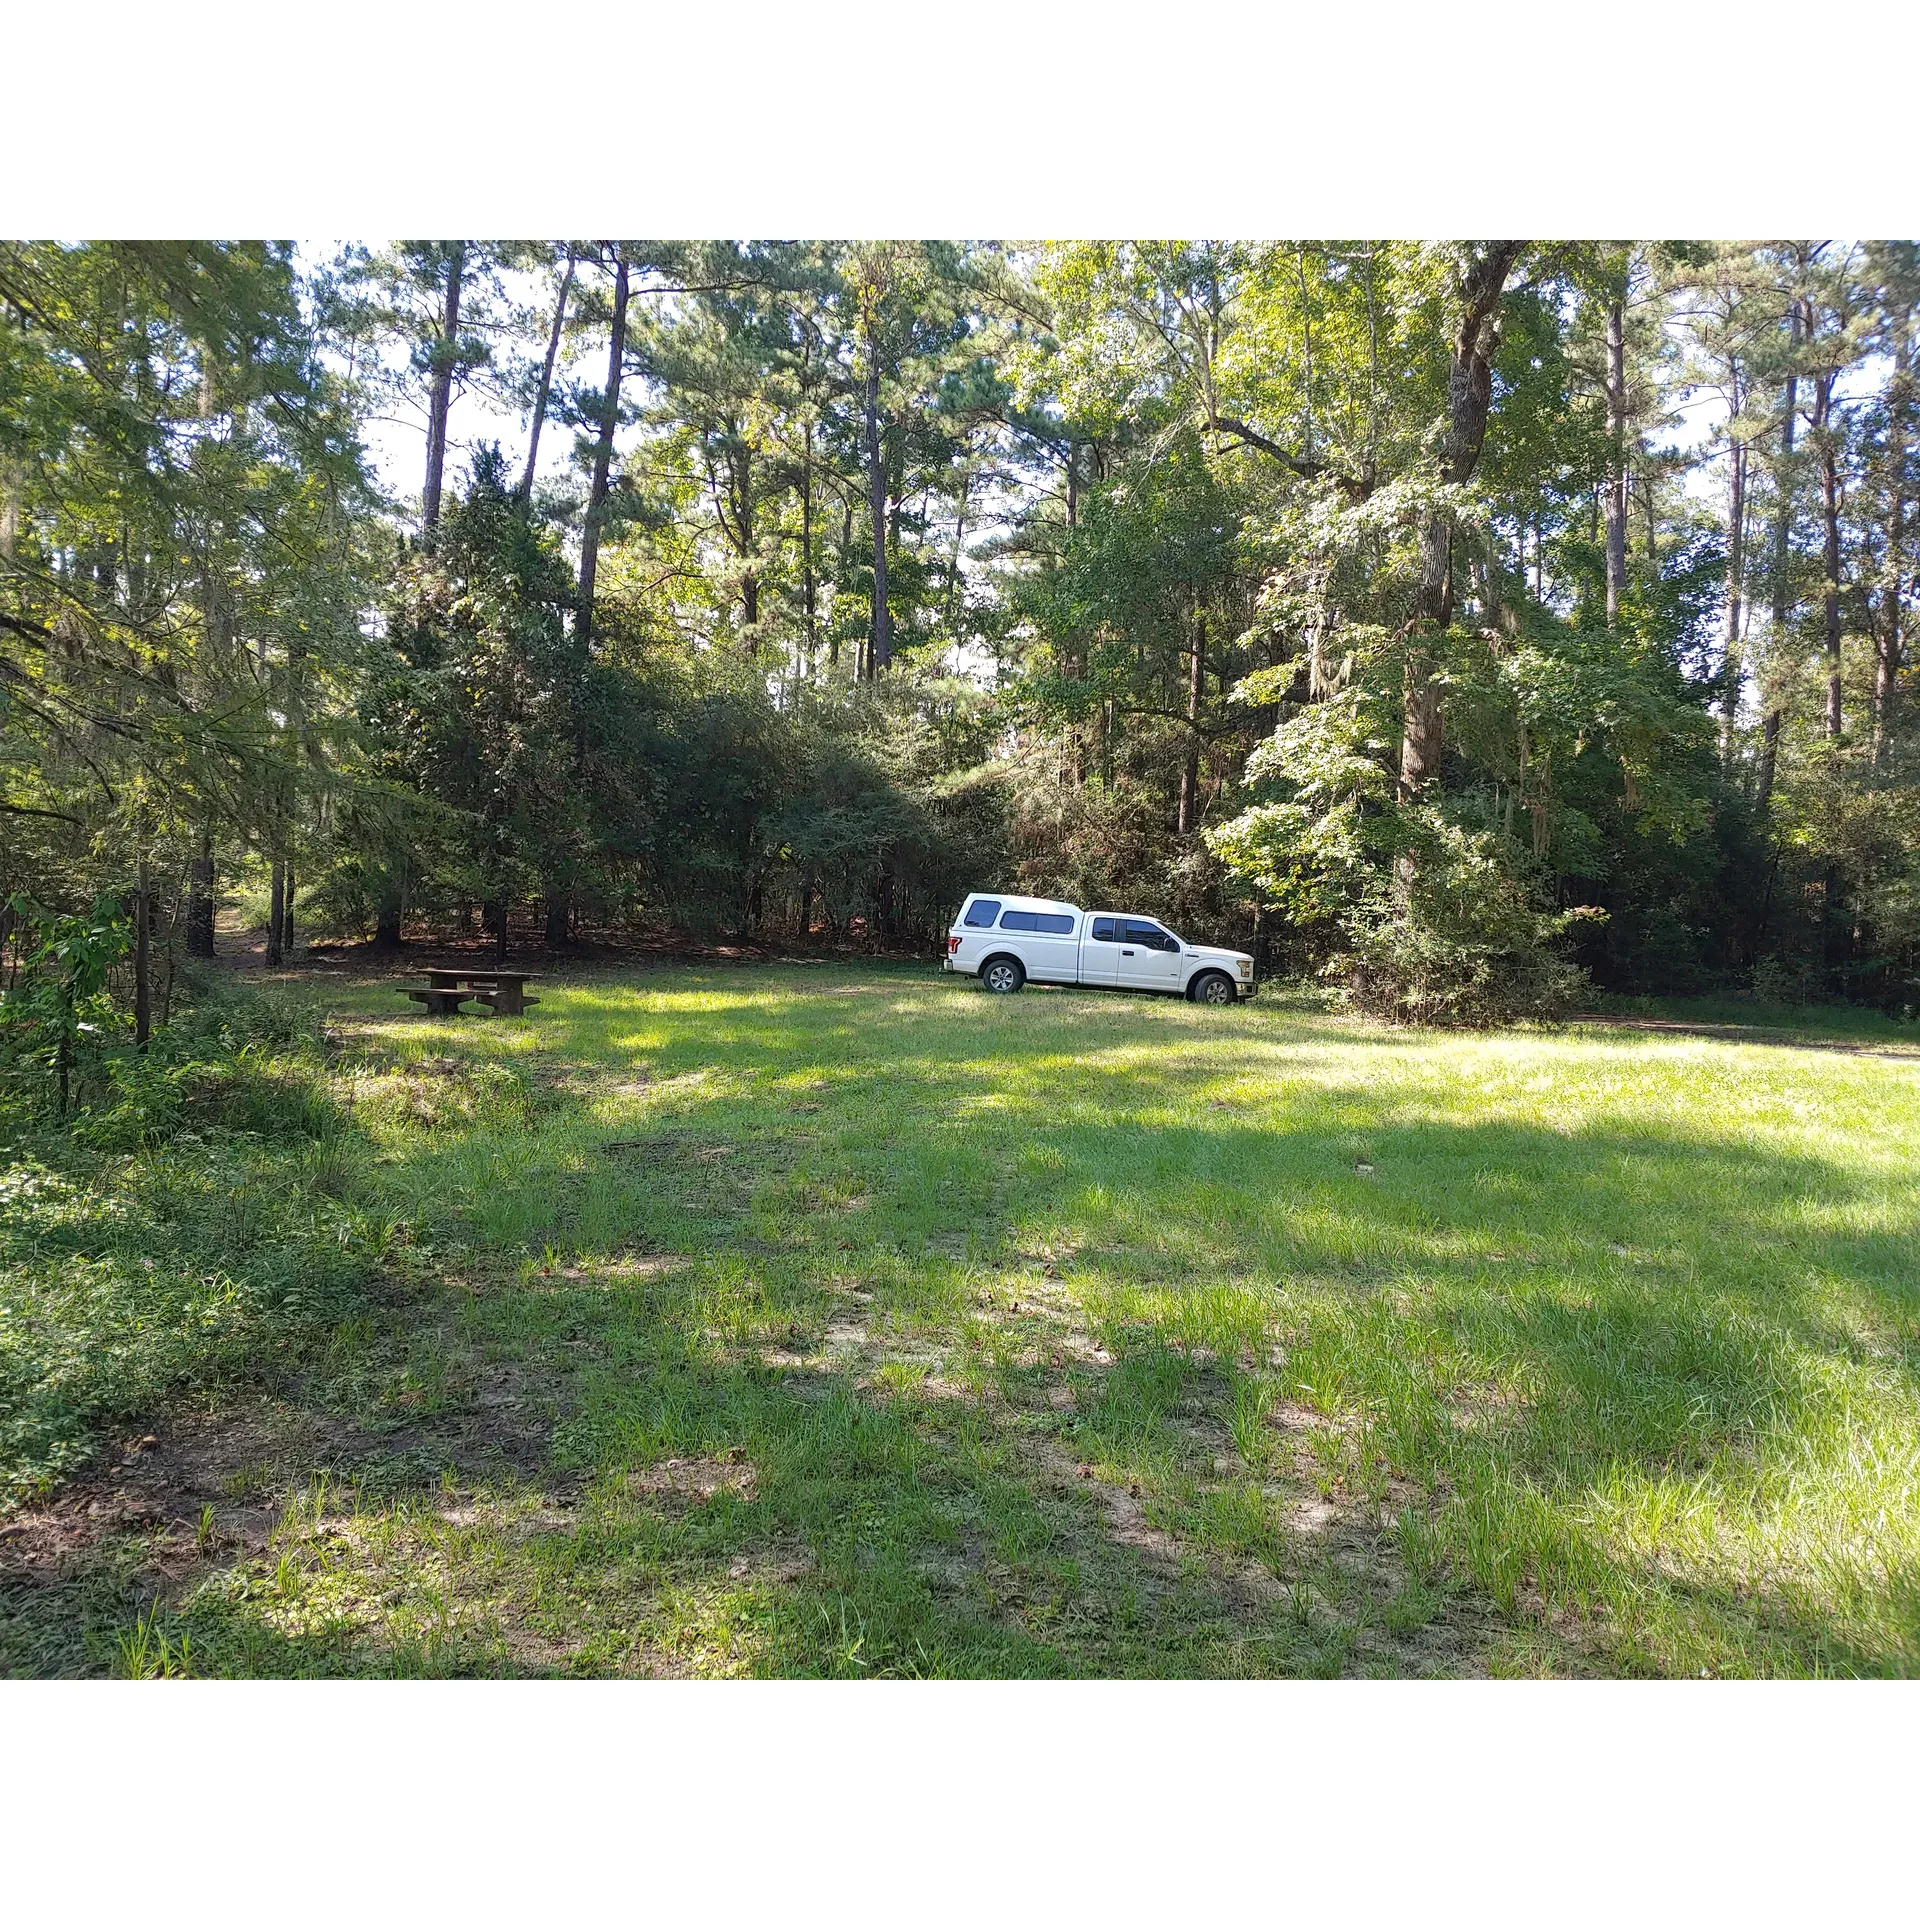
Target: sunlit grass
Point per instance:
(1076, 1334)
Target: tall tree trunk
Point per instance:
(200, 900)
(276, 911)
(294, 705)
(1832, 886)
(1469, 401)
(806, 544)
(559, 920)
(546, 381)
(168, 957)
(1830, 519)
(740, 467)
(1887, 632)
(1190, 768)
(602, 462)
(1769, 759)
(881, 649)
(12, 505)
(441, 399)
(142, 958)
(1782, 605)
(1736, 589)
(1616, 503)
(386, 929)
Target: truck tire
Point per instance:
(1212, 990)
(1003, 974)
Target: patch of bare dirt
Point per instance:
(1290, 1417)
(635, 1266)
(695, 1482)
(782, 1566)
(196, 1488)
(204, 1488)
(1121, 1510)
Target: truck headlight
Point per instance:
(1246, 968)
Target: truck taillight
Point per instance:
(953, 943)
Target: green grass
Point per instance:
(832, 1320)
(1814, 1019)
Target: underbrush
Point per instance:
(196, 1219)
(1410, 974)
(1459, 940)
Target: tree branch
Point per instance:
(40, 813)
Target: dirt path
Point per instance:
(1749, 1036)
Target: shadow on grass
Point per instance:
(1551, 1330)
(916, 1262)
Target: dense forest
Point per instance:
(1477, 625)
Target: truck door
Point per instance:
(1149, 957)
(1100, 951)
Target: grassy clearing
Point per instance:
(808, 1319)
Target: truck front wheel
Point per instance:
(1003, 975)
(1212, 990)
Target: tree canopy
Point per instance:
(1478, 621)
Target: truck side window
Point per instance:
(981, 913)
(1105, 930)
(1144, 933)
(1015, 921)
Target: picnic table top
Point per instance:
(477, 973)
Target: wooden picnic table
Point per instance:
(504, 989)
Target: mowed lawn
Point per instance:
(818, 1319)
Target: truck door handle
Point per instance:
(1126, 953)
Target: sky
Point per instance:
(397, 442)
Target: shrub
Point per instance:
(1781, 983)
(54, 1020)
(1459, 944)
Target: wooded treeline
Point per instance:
(1471, 619)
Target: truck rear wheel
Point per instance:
(1003, 974)
(1213, 990)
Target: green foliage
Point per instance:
(180, 1233)
(1463, 944)
(1207, 586)
(56, 1018)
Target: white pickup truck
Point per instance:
(1007, 940)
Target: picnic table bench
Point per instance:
(449, 988)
